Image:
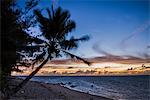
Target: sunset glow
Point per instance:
(105, 68)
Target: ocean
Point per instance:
(115, 87)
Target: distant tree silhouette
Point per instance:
(55, 29)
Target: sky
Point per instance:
(115, 27)
(120, 27)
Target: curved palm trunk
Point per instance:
(15, 90)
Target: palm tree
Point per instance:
(55, 29)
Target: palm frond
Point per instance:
(43, 21)
(70, 25)
(57, 12)
(49, 14)
(64, 17)
(69, 44)
(77, 57)
(83, 38)
(73, 42)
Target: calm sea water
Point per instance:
(116, 87)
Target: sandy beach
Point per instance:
(42, 91)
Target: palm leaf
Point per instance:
(77, 57)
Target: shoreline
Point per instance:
(85, 75)
(34, 90)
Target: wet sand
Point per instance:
(42, 91)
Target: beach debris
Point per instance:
(72, 86)
(92, 86)
(62, 83)
(22, 91)
(69, 83)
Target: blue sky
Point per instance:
(109, 23)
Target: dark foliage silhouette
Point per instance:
(18, 45)
(13, 39)
(54, 29)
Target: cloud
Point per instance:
(97, 48)
(108, 55)
(139, 30)
(148, 47)
(113, 57)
